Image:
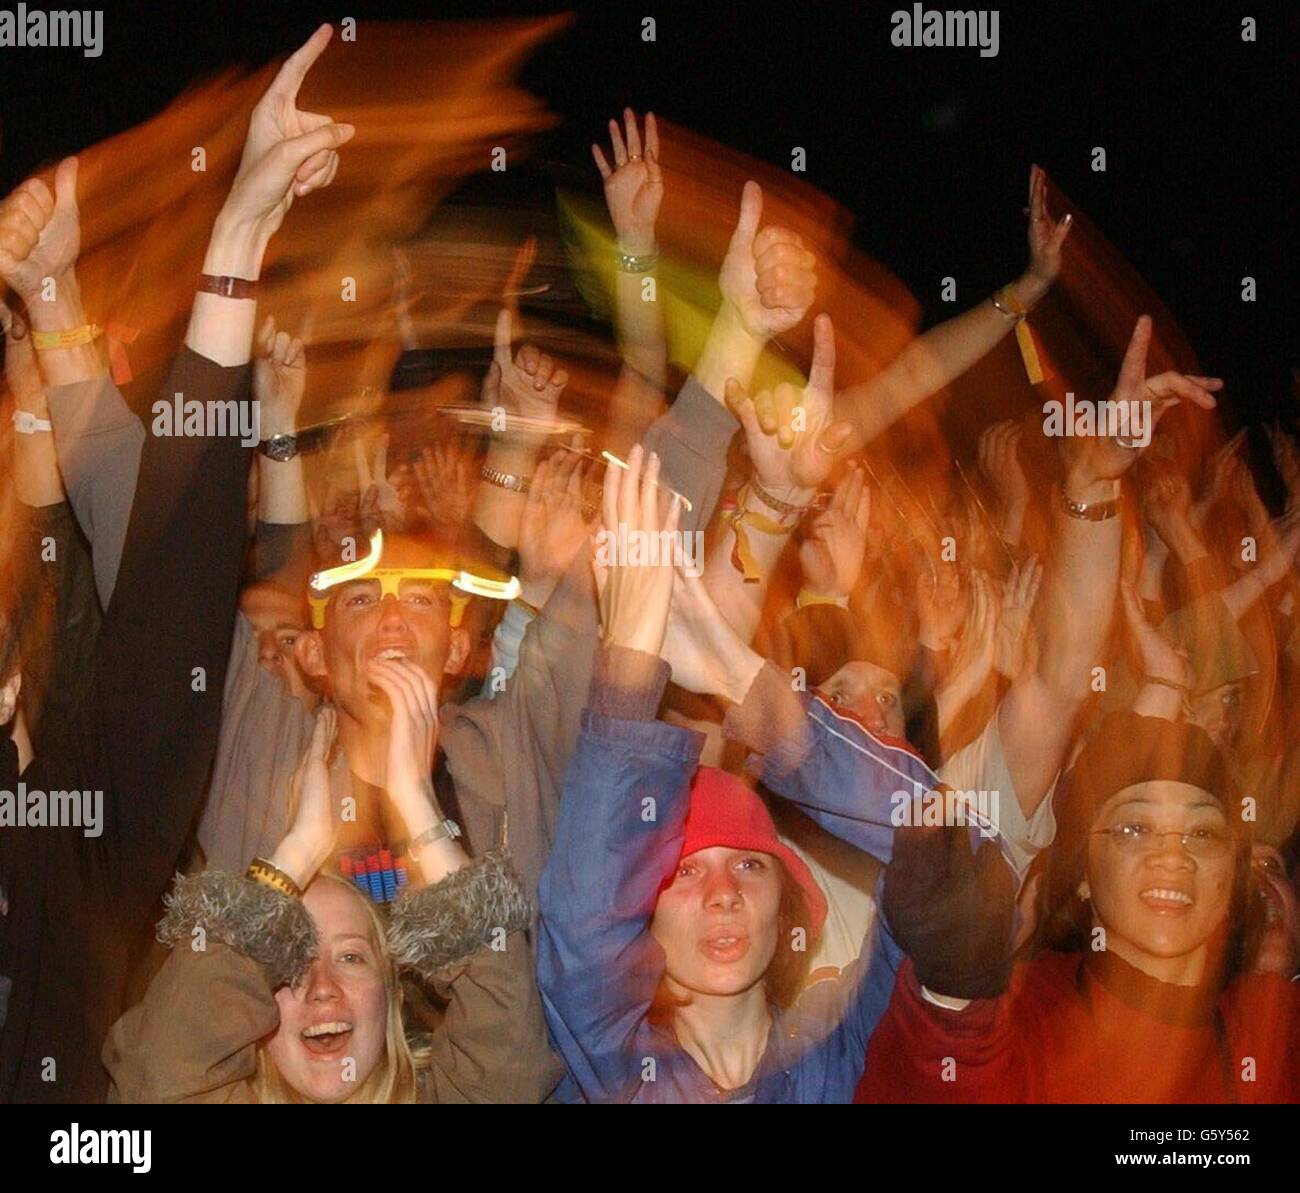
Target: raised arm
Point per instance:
(621, 824)
(767, 281)
(527, 384)
(279, 381)
(941, 355)
(36, 468)
(634, 188)
(160, 678)
(788, 467)
(1080, 581)
(96, 437)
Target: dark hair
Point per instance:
(788, 969)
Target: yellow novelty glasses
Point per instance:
(390, 581)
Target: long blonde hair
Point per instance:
(393, 1079)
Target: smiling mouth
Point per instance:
(391, 652)
(1167, 899)
(327, 1039)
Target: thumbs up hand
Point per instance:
(767, 276)
(40, 233)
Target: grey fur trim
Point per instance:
(443, 925)
(266, 926)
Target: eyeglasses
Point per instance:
(390, 582)
(1139, 838)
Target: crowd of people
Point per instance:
(693, 756)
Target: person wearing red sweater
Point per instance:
(1145, 913)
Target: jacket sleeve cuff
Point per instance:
(264, 925)
(627, 685)
(772, 720)
(703, 420)
(441, 926)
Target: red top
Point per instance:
(1089, 1028)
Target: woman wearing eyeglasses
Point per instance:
(1138, 989)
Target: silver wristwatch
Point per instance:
(280, 448)
(444, 830)
(504, 480)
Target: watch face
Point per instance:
(281, 448)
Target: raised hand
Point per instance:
(277, 118)
(1241, 484)
(939, 603)
(378, 495)
(40, 233)
(792, 438)
(999, 461)
(768, 278)
(1018, 597)
(553, 527)
(1046, 239)
(279, 379)
(636, 590)
(314, 825)
(287, 153)
(1101, 458)
(1167, 506)
(831, 556)
(1222, 467)
(706, 655)
(527, 383)
(445, 475)
(1157, 656)
(634, 187)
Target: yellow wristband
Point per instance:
(1007, 302)
(47, 341)
(807, 597)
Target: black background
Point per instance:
(929, 148)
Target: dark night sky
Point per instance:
(928, 147)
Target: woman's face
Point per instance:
(717, 921)
(1161, 900)
(332, 1024)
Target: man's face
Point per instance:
(872, 694)
(361, 624)
(1161, 901)
(332, 1024)
(278, 620)
(717, 921)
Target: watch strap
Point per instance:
(444, 829)
(1090, 511)
(227, 287)
(504, 480)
